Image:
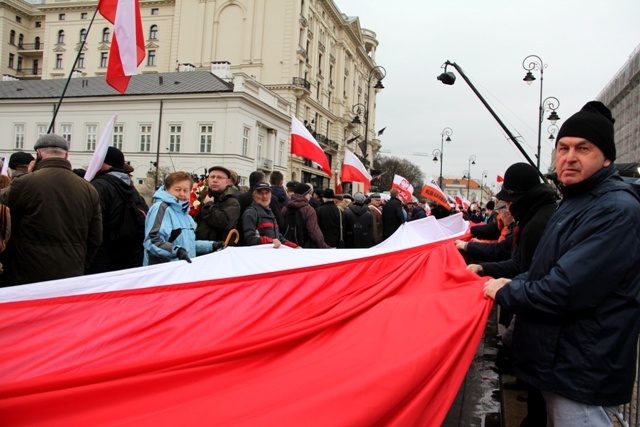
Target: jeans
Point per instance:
(562, 412)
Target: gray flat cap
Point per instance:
(51, 140)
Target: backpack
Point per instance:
(134, 214)
(295, 227)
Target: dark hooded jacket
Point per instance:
(358, 226)
(578, 306)
(314, 234)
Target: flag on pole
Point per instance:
(101, 150)
(381, 131)
(354, 171)
(431, 190)
(127, 48)
(405, 187)
(500, 177)
(305, 145)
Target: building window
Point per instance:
(62, 17)
(37, 43)
(83, 35)
(84, 15)
(19, 67)
(175, 135)
(106, 35)
(104, 59)
(206, 138)
(65, 132)
(81, 60)
(155, 11)
(153, 32)
(145, 138)
(92, 137)
(11, 59)
(118, 136)
(151, 58)
(245, 141)
(61, 37)
(35, 69)
(38, 24)
(281, 154)
(18, 132)
(59, 60)
(20, 40)
(259, 147)
(18, 19)
(41, 130)
(12, 37)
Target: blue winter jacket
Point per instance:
(578, 306)
(169, 227)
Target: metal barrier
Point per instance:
(629, 412)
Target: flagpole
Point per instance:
(75, 62)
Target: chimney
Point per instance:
(222, 69)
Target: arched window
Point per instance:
(106, 35)
(153, 32)
(12, 37)
(83, 35)
(20, 40)
(61, 37)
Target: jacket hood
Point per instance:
(161, 195)
(358, 209)
(297, 201)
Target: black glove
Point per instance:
(182, 254)
(217, 246)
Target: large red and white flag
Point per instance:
(405, 187)
(354, 171)
(461, 201)
(127, 48)
(261, 340)
(97, 160)
(305, 145)
(432, 191)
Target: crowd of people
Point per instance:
(565, 273)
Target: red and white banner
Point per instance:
(127, 48)
(263, 339)
(305, 145)
(405, 187)
(432, 191)
(354, 171)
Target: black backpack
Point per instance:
(134, 214)
(295, 227)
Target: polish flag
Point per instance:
(97, 160)
(404, 186)
(127, 48)
(354, 171)
(305, 145)
(461, 201)
(432, 191)
(500, 177)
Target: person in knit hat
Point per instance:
(578, 305)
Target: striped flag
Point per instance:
(305, 145)
(127, 48)
(354, 171)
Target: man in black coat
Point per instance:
(392, 214)
(358, 223)
(122, 232)
(578, 305)
(331, 220)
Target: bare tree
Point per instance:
(386, 167)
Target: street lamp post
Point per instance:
(534, 62)
(472, 161)
(484, 175)
(440, 153)
(378, 70)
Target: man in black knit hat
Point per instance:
(578, 306)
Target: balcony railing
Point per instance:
(31, 46)
(299, 81)
(29, 72)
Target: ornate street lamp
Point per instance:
(534, 62)
(363, 109)
(440, 153)
(472, 161)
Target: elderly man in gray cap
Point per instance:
(56, 215)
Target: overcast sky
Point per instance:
(583, 43)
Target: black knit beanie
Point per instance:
(594, 123)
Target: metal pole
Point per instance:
(441, 156)
(540, 113)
